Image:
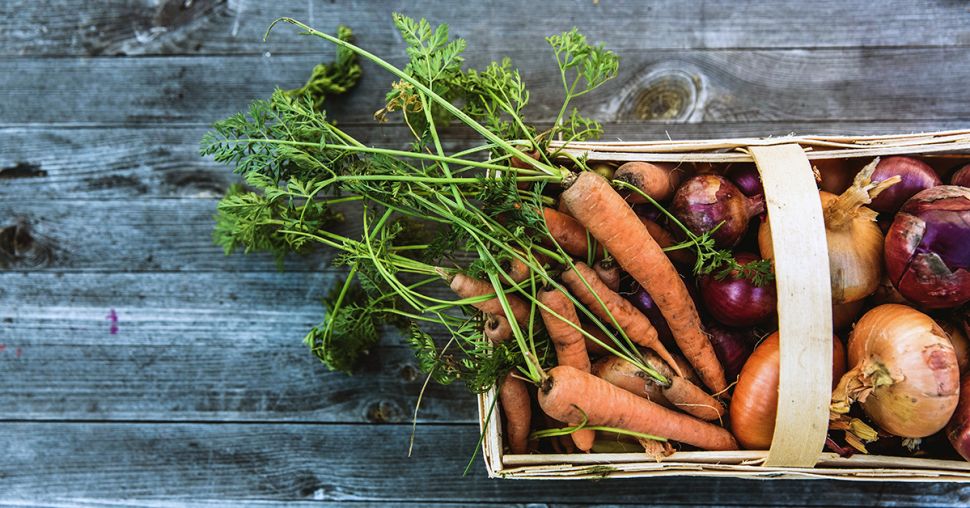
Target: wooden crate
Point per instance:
(804, 321)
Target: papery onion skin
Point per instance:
(916, 176)
(737, 301)
(836, 174)
(928, 248)
(755, 400)
(855, 255)
(958, 428)
(746, 178)
(958, 339)
(705, 201)
(911, 349)
(845, 314)
(961, 177)
(733, 347)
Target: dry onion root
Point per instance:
(903, 371)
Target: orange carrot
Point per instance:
(568, 394)
(609, 273)
(680, 394)
(517, 408)
(592, 347)
(470, 287)
(658, 180)
(570, 346)
(568, 233)
(611, 221)
(683, 257)
(516, 269)
(497, 329)
(631, 320)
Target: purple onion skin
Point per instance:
(928, 248)
(732, 346)
(734, 301)
(916, 176)
(705, 201)
(961, 177)
(746, 178)
(642, 301)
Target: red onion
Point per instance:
(642, 301)
(732, 346)
(737, 301)
(961, 177)
(705, 201)
(746, 178)
(916, 176)
(928, 248)
(958, 430)
(835, 175)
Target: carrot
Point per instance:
(561, 207)
(658, 180)
(609, 273)
(570, 346)
(680, 394)
(470, 287)
(611, 221)
(690, 399)
(631, 320)
(683, 257)
(567, 232)
(592, 347)
(568, 394)
(517, 407)
(516, 269)
(623, 374)
(497, 329)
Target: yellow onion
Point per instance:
(855, 242)
(755, 400)
(903, 371)
(844, 314)
(960, 345)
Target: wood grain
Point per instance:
(145, 27)
(664, 85)
(118, 163)
(343, 463)
(202, 346)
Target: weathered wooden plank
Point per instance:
(144, 27)
(342, 463)
(663, 85)
(46, 163)
(119, 235)
(261, 503)
(202, 346)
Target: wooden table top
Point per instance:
(139, 366)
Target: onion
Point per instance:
(844, 314)
(958, 428)
(928, 248)
(705, 201)
(915, 175)
(755, 400)
(835, 175)
(737, 301)
(961, 177)
(958, 339)
(746, 178)
(854, 240)
(887, 293)
(903, 372)
(732, 346)
(642, 301)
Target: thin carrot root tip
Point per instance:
(517, 408)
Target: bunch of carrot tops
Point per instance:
(551, 260)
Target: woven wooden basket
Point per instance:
(804, 321)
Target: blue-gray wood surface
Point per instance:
(200, 392)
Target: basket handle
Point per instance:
(804, 305)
